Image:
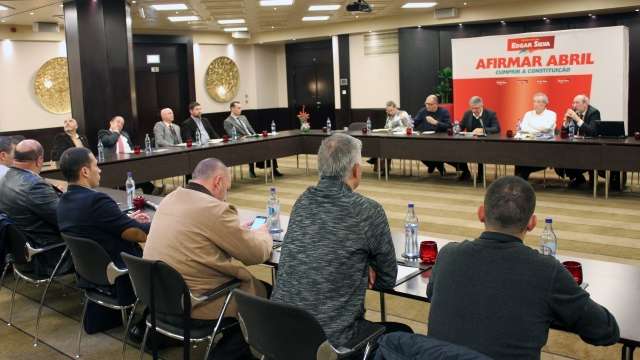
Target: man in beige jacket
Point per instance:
(199, 234)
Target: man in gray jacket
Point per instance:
(337, 245)
(166, 132)
(243, 128)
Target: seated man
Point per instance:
(538, 122)
(115, 138)
(90, 214)
(31, 203)
(433, 118)
(506, 296)
(397, 120)
(477, 120)
(584, 117)
(243, 128)
(337, 245)
(166, 132)
(199, 234)
(7, 148)
(68, 139)
(196, 124)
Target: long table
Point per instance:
(594, 154)
(615, 286)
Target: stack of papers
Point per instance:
(405, 273)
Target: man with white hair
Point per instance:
(337, 245)
(166, 132)
(480, 121)
(538, 122)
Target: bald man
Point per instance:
(433, 118)
(197, 232)
(32, 204)
(115, 138)
(166, 132)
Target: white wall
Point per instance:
(19, 62)
(263, 82)
(375, 79)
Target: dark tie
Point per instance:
(174, 136)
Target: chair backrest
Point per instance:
(357, 126)
(169, 288)
(278, 331)
(16, 245)
(89, 259)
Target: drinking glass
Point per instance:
(428, 252)
(575, 268)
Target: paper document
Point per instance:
(405, 273)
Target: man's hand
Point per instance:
(432, 121)
(478, 131)
(372, 277)
(140, 217)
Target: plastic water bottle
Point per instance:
(368, 125)
(147, 144)
(411, 250)
(456, 128)
(198, 141)
(130, 186)
(328, 126)
(548, 239)
(572, 129)
(100, 151)
(273, 211)
(234, 133)
(273, 127)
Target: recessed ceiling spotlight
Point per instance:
(465, 4)
(231, 21)
(419, 26)
(324, 7)
(545, 19)
(637, 10)
(316, 18)
(276, 2)
(183, 18)
(503, 22)
(169, 7)
(459, 25)
(273, 27)
(419, 5)
(31, 13)
(243, 28)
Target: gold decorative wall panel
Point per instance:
(51, 86)
(222, 79)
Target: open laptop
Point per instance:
(610, 129)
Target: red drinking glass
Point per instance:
(225, 138)
(136, 149)
(324, 129)
(450, 131)
(564, 134)
(409, 131)
(575, 269)
(509, 133)
(138, 202)
(637, 135)
(428, 251)
(365, 130)
(265, 133)
(189, 143)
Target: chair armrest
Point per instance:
(31, 251)
(113, 273)
(215, 293)
(326, 351)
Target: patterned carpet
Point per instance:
(446, 208)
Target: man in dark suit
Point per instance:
(90, 214)
(505, 297)
(241, 124)
(31, 203)
(584, 117)
(115, 138)
(196, 124)
(68, 139)
(480, 121)
(432, 118)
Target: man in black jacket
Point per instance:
(196, 124)
(480, 121)
(115, 138)
(68, 139)
(498, 296)
(432, 118)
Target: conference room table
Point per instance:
(614, 285)
(593, 154)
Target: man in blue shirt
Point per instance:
(432, 118)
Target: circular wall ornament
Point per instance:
(51, 86)
(222, 79)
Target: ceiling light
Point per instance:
(134, 1)
(244, 28)
(465, 4)
(503, 22)
(276, 2)
(183, 18)
(2, 8)
(419, 5)
(324, 7)
(31, 13)
(316, 18)
(230, 21)
(169, 7)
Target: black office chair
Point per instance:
(357, 126)
(269, 327)
(164, 291)
(93, 264)
(20, 255)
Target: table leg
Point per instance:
(383, 310)
(418, 168)
(595, 184)
(241, 175)
(266, 173)
(410, 167)
(484, 176)
(475, 178)
(379, 176)
(273, 176)
(297, 161)
(306, 160)
(386, 173)
(274, 274)
(627, 352)
(607, 178)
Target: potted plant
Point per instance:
(444, 89)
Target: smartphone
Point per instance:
(258, 221)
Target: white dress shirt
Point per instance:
(3, 170)
(400, 120)
(534, 123)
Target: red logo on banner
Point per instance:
(531, 43)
